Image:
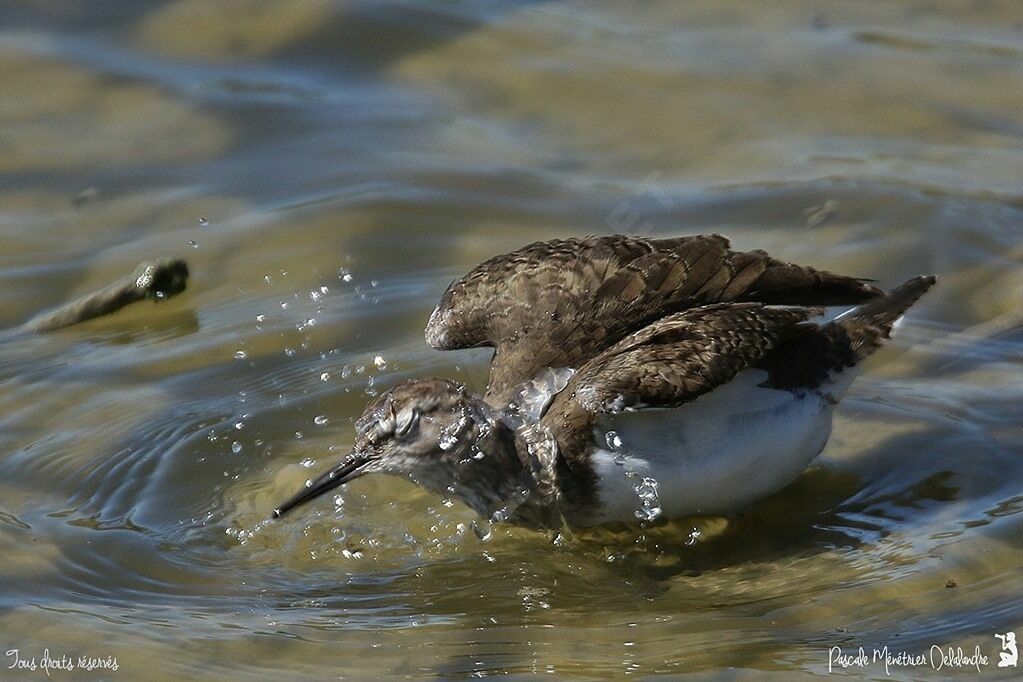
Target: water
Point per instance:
(328, 167)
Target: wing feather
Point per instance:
(560, 303)
(669, 363)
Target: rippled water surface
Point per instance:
(328, 167)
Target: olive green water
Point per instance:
(328, 167)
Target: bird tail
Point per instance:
(866, 327)
(815, 357)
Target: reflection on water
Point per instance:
(328, 167)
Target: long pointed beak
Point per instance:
(350, 468)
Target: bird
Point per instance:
(632, 379)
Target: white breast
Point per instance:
(715, 455)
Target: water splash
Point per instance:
(483, 530)
(447, 441)
(650, 503)
(613, 440)
(450, 434)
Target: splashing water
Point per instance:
(447, 440)
(613, 440)
(650, 503)
(449, 435)
(482, 530)
(614, 444)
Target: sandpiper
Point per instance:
(631, 378)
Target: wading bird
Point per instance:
(631, 378)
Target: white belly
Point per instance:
(715, 455)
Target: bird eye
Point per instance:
(404, 421)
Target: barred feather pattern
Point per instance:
(560, 303)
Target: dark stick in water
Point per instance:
(157, 280)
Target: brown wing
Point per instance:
(670, 362)
(560, 303)
(682, 356)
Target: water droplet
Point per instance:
(380, 362)
(236, 447)
(289, 351)
(299, 435)
(650, 503)
(240, 355)
(694, 536)
(308, 462)
(482, 530)
(268, 279)
(324, 376)
(204, 222)
(320, 420)
(613, 441)
(194, 244)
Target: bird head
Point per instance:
(422, 428)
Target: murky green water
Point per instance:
(328, 167)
